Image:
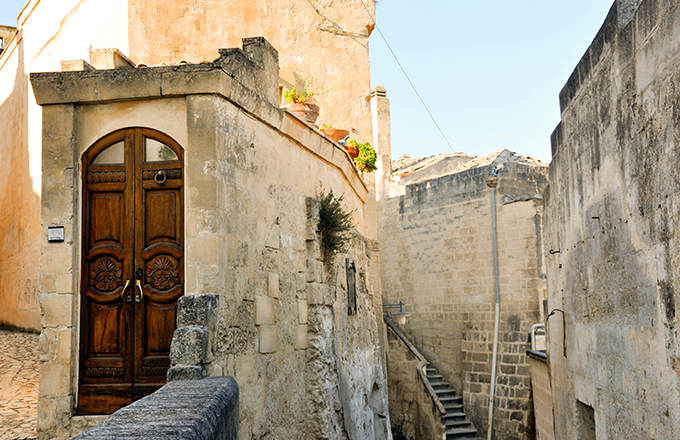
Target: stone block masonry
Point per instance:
(436, 256)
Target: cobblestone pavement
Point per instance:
(18, 385)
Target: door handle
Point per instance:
(139, 296)
(127, 299)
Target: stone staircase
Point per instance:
(457, 425)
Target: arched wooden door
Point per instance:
(132, 266)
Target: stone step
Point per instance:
(445, 393)
(454, 415)
(453, 433)
(448, 396)
(458, 424)
(435, 377)
(440, 385)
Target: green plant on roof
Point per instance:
(305, 89)
(366, 159)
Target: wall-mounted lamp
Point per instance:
(401, 314)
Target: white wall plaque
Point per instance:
(55, 234)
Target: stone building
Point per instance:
(175, 182)
(435, 235)
(612, 212)
(327, 40)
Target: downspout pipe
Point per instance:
(492, 183)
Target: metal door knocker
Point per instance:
(160, 177)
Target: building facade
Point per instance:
(327, 41)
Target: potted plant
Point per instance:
(365, 155)
(299, 99)
(337, 134)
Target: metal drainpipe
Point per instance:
(492, 182)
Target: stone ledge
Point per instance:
(202, 410)
(236, 77)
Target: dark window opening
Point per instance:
(585, 421)
(351, 287)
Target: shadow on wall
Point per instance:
(20, 206)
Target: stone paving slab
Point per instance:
(18, 385)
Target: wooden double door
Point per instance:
(132, 266)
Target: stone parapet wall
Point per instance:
(182, 410)
(542, 393)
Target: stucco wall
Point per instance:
(612, 228)
(327, 39)
(436, 256)
(49, 32)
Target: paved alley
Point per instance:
(18, 385)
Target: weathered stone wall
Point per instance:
(436, 256)
(612, 215)
(252, 175)
(182, 410)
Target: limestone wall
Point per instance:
(436, 256)
(252, 175)
(413, 414)
(612, 231)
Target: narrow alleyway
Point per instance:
(18, 385)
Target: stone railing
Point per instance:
(436, 426)
(204, 409)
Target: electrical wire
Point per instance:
(406, 75)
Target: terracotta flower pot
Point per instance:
(353, 152)
(335, 133)
(308, 112)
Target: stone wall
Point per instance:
(436, 256)
(181, 410)
(612, 215)
(541, 388)
(253, 173)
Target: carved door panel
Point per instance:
(159, 232)
(132, 266)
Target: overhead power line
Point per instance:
(406, 75)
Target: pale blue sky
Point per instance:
(490, 71)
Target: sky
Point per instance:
(490, 72)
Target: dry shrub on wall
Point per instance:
(335, 223)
